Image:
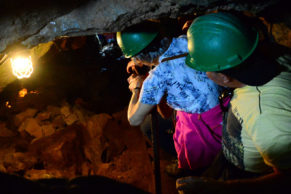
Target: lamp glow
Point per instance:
(22, 67)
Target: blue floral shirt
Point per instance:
(187, 90)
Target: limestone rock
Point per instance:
(65, 110)
(94, 150)
(47, 130)
(58, 122)
(68, 116)
(46, 20)
(55, 151)
(32, 127)
(42, 116)
(19, 118)
(115, 145)
(54, 110)
(19, 161)
(72, 118)
(97, 123)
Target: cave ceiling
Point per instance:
(30, 22)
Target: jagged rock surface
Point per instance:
(32, 22)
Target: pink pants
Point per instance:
(197, 138)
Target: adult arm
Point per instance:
(153, 89)
(137, 111)
(276, 182)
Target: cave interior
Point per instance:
(64, 129)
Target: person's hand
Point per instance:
(200, 185)
(135, 81)
(131, 66)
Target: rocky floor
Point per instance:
(64, 130)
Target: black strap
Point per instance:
(227, 92)
(174, 57)
(156, 149)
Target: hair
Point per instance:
(155, 49)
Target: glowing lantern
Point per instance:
(22, 67)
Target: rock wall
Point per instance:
(32, 22)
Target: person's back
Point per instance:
(187, 89)
(263, 114)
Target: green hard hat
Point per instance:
(219, 41)
(135, 39)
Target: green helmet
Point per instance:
(219, 41)
(136, 38)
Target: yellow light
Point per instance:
(7, 104)
(22, 93)
(22, 67)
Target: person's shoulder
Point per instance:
(277, 91)
(181, 39)
(283, 78)
(161, 69)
